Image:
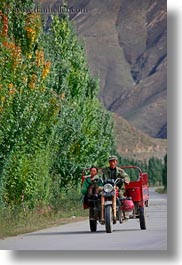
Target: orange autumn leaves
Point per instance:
(4, 19)
(32, 28)
(22, 70)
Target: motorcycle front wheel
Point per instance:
(108, 219)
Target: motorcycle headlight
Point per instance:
(108, 187)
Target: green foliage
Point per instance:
(85, 129)
(51, 123)
(26, 179)
(164, 173)
(155, 171)
(28, 115)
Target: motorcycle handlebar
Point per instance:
(117, 181)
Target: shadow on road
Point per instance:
(77, 232)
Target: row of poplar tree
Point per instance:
(51, 121)
(52, 124)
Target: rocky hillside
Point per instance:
(126, 48)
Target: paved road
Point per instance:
(76, 236)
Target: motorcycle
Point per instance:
(108, 207)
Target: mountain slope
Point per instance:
(126, 48)
(126, 45)
(143, 38)
(132, 143)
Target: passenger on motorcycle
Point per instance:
(92, 185)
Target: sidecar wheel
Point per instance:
(93, 225)
(147, 203)
(142, 218)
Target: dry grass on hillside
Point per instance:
(135, 144)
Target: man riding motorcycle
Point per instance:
(114, 172)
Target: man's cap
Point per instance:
(113, 158)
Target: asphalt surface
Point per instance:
(77, 236)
